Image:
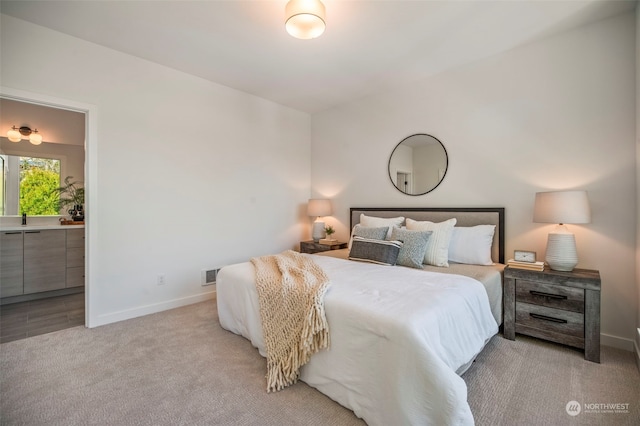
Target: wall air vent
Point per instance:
(209, 276)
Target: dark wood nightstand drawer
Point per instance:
(552, 296)
(550, 319)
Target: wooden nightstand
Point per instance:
(563, 307)
(313, 247)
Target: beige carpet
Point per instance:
(180, 368)
(530, 381)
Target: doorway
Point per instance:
(90, 179)
(404, 182)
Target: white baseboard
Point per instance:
(636, 343)
(616, 342)
(149, 309)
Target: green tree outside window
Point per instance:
(39, 180)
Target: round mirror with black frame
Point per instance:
(418, 164)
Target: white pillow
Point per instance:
(472, 244)
(376, 222)
(438, 245)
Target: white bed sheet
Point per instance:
(489, 275)
(399, 338)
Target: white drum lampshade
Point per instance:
(561, 207)
(318, 207)
(305, 19)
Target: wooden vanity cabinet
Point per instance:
(37, 261)
(75, 258)
(45, 258)
(11, 263)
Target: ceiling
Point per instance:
(368, 46)
(55, 125)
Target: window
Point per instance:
(30, 186)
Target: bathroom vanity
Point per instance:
(40, 261)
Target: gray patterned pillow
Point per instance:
(368, 232)
(413, 248)
(375, 251)
(371, 233)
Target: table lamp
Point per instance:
(561, 207)
(318, 208)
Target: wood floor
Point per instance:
(27, 319)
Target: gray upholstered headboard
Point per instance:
(466, 216)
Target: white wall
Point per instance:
(433, 161)
(555, 114)
(402, 162)
(189, 175)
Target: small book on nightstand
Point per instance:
(328, 242)
(533, 266)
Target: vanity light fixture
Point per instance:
(561, 207)
(318, 207)
(305, 19)
(15, 135)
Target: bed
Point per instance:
(401, 337)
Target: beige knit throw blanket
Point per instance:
(291, 289)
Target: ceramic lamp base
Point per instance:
(318, 231)
(562, 254)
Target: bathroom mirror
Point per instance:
(418, 164)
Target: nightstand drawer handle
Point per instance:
(552, 296)
(546, 318)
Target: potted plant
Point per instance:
(71, 194)
(330, 231)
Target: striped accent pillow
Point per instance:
(375, 251)
(438, 246)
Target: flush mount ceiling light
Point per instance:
(304, 19)
(15, 135)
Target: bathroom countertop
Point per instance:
(38, 227)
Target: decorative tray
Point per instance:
(71, 222)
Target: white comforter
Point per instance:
(399, 338)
